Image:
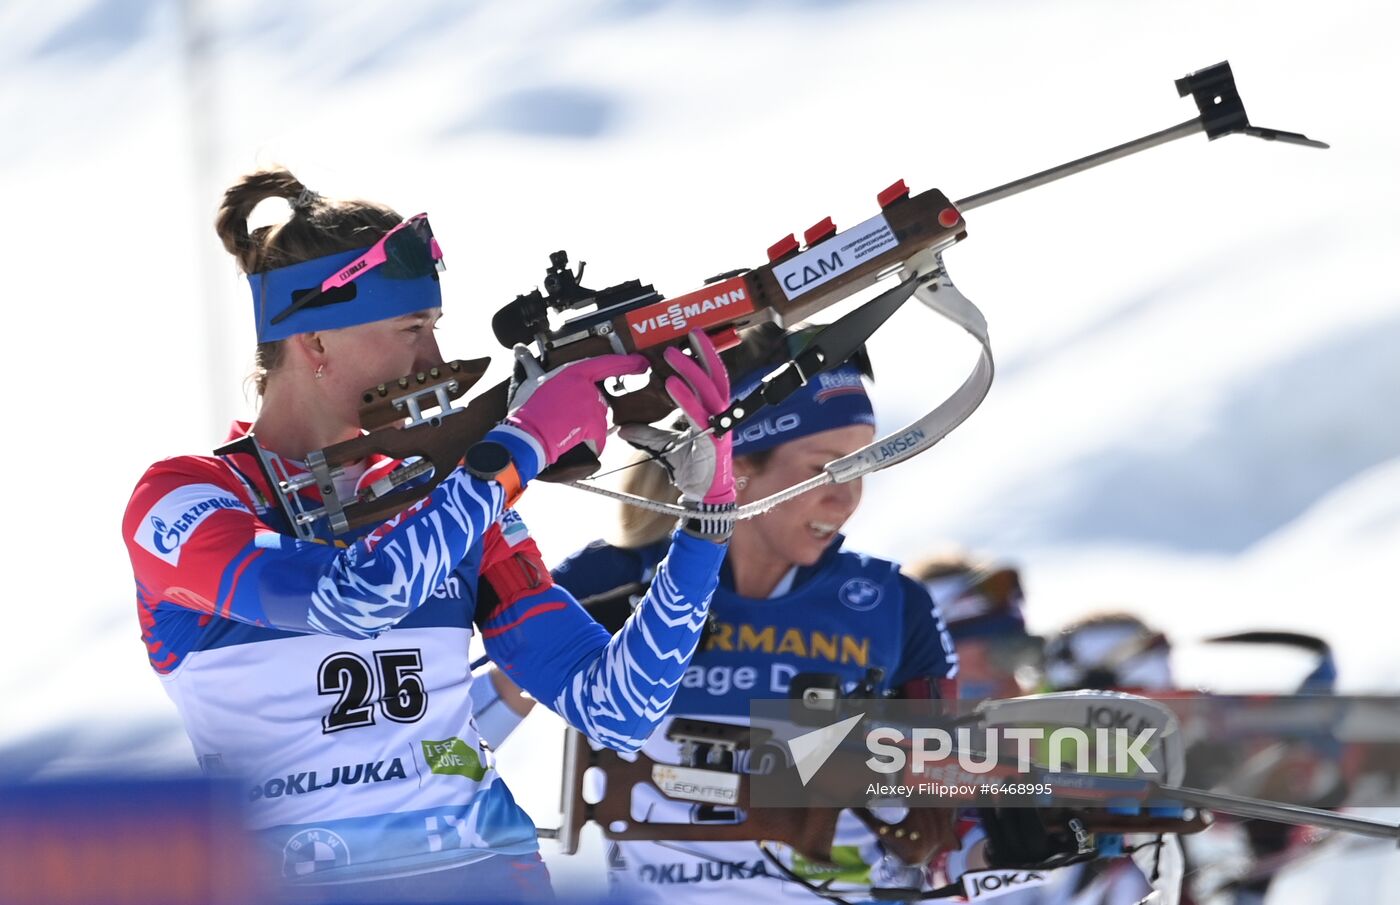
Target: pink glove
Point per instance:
(564, 408)
(702, 467)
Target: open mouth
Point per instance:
(821, 530)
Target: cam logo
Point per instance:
(453, 757)
(173, 518)
(313, 850)
(861, 594)
(828, 260)
(818, 270)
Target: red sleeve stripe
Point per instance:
(531, 613)
(227, 607)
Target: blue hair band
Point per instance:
(369, 297)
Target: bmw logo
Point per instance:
(861, 594)
(313, 850)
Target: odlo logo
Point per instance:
(752, 433)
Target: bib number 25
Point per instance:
(393, 686)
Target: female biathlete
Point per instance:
(331, 674)
(791, 601)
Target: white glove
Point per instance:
(701, 467)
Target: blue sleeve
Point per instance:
(614, 690)
(599, 568)
(367, 587)
(210, 553)
(928, 648)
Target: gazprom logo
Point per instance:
(173, 518)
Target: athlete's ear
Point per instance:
(311, 342)
(311, 349)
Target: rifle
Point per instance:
(722, 764)
(414, 419)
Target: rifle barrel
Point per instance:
(1017, 186)
(1283, 813)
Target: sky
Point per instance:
(1196, 347)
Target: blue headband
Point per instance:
(369, 297)
(830, 400)
(971, 610)
(996, 625)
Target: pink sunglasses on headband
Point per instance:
(406, 252)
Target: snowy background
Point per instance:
(1198, 348)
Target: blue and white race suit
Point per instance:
(843, 616)
(333, 675)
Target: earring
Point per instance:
(320, 371)
(741, 482)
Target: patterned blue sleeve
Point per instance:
(214, 555)
(928, 648)
(614, 690)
